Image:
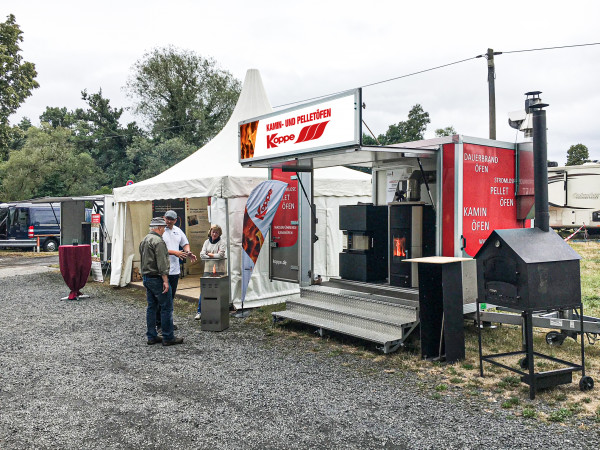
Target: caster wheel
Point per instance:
(586, 384)
(555, 338)
(524, 364)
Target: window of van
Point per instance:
(21, 216)
(43, 216)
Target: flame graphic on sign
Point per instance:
(248, 139)
(311, 132)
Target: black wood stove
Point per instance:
(364, 257)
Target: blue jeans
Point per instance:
(199, 301)
(156, 298)
(173, 282)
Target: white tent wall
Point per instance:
(329, 245)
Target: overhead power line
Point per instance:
(483, 55)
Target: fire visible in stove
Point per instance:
(400, 246)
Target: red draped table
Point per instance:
(75, 264)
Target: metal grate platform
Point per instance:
(382, 319)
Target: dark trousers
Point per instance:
(155, 298)
(173, 282)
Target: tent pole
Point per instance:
(228, 247)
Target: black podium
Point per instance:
(444, 283)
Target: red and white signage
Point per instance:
(488, 193)
(332, 123)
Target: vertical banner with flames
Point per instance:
(261, 207)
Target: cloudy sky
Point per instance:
(311, 48)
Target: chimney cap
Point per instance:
(538, 105)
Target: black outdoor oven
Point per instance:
(528, 269)
(532, 270)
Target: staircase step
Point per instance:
(348, 329)
(392, 314)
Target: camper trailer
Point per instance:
(574, 197)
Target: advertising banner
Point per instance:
(284, 231)
(261, 207)
(330, 123)
(95, 248)
(160, 207)
(488, 193)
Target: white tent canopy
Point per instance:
(214, 171)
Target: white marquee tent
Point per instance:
(214, 172)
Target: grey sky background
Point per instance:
(312, 48)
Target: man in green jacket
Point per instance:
(155, 271)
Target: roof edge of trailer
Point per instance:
(371, 156)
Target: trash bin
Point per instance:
(214, 286)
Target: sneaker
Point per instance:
(173, 342)
(156, 340)
(198, 316)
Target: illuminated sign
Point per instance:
(326, 124)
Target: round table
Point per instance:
(75, 263)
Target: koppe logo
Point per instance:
(308, 133)
(273, 139)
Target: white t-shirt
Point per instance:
(174, 238)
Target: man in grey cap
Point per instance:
(155, 271)
(175, 239)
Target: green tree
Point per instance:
(58, 117)
(48, 164)
(448, 131)
(98, 132)
(412, 129)
(17, 79)
(577, 154)
(18, 134)
(181, 94)
(153, 158)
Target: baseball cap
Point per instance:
(170, 214)
(158, 222)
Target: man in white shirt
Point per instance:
(175, 239)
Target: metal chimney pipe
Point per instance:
(540, 167)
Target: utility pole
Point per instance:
(492, 92)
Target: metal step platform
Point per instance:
(377, 313)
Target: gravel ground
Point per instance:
(78, 374)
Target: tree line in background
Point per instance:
(181, 98)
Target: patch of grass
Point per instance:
(457, 380)
(575, 408)
(513, 401)
(509, 382)
(468, 366)
(529, 412)
(436, 396)
(560, 397)
(597, 415)
(560, 415)
(452, 370)
(441, 387)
